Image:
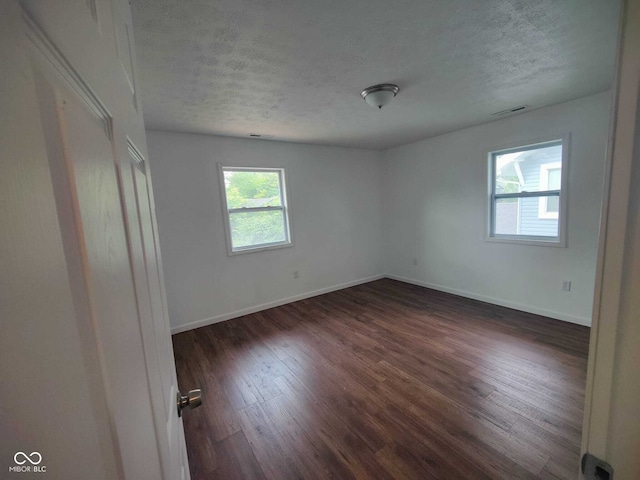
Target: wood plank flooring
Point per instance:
(385, 380)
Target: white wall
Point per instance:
(435, 202)
(357, 214)
(335, 206)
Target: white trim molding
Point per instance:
(265, 306)
(607, 433)
(497, 301)
(461, 293)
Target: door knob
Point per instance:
(193, 399)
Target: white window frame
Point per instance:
(561, 239)
(227, 212)
(545, 168)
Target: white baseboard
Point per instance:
(264, 306)
(497, 301)
(462, 293)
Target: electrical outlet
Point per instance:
(415, 262)
(566, 285)
(296, 274)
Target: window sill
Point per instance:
(532, 241)
(275, 246)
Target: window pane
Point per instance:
(252, 189)
(257, 228)
(553, 204)
(554, 179)
(506, 222)
(520, 171)
(519, 216)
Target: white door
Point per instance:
(92, 366)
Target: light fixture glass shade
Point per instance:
(379, 95)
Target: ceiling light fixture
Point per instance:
(379, 95)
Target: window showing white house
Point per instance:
(550, 176)
(527, 193)
(255, 205)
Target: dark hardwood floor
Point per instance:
(385, 380)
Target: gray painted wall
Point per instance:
(336, 225)
(358, 214)
(436, 199)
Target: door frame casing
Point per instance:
(613, 245)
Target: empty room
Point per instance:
(383, 378)
(309, 240)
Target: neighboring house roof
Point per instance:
(507, 168)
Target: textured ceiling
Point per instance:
(295, 69)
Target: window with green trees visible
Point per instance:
(256, 208)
